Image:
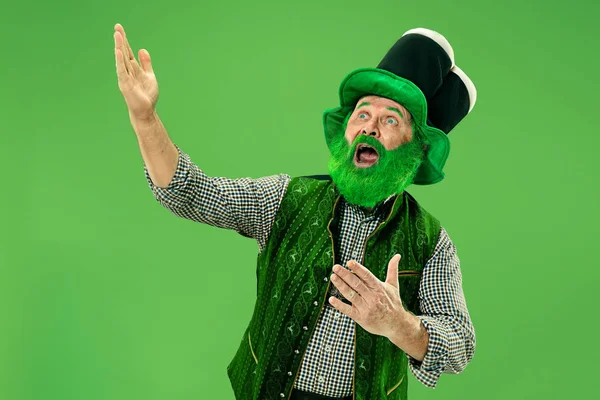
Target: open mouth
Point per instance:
(365, 156)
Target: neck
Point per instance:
(369, 210)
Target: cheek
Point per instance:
(392, 142)
(353, 127)
(349, 133)
(407, 137)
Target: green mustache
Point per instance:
(371, 141)
(391, 174)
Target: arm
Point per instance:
(158, 151)
(450, 332)
(245, 205)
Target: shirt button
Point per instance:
(305, 328)
(328, 348)
(321, 379)
(316, 303)
(336, 315)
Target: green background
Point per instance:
(106, 295)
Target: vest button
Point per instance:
(281, 394)
(305, 328)
(325, 279)
(297, 351)
(290, 373)
(316, 303)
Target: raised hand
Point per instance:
(137, 82)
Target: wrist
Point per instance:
(144, 120)
(401, 327)
(410, 335)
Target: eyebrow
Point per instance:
(366, 103)
(395, 109)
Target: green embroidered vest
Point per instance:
(293, 273)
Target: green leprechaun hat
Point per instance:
(418, 72)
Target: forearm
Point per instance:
(451, 344)
(158, 151)
(413, 339)
(246, 205)
(450, 333)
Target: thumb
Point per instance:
(145, 60)
(392, 272)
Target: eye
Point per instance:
(391, 121)
(362, 115)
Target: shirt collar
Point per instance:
(379, 209)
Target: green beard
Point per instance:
(391, 174)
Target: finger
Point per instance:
(119, 44)
(119, 58)
(344, 308)
(128, 52)
(352, 295)
(392, 271)
(145, 60)
(130, 60)
(350, 278)
(364, 274)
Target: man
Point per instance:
(356, 281)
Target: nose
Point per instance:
(370, 131)
(370, 128)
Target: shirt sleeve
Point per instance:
(245, 205)
(444, 315)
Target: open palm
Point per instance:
(137, 82)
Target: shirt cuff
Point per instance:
(429, 370)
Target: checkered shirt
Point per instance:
(249, 206)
